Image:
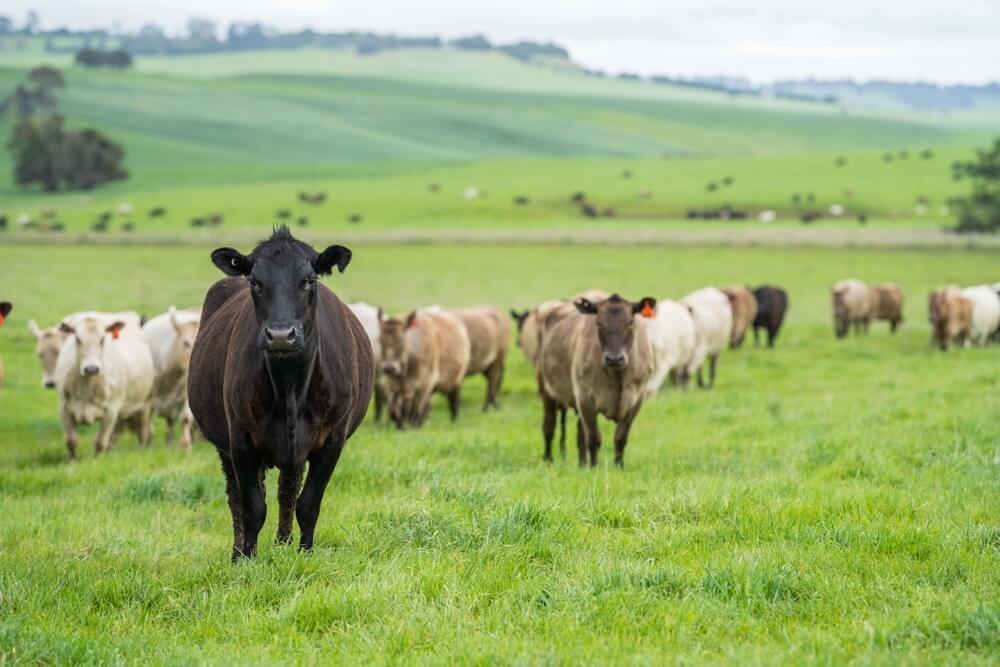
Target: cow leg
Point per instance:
(246, 463)
(144, 426)
(235, 504)
(562, 433)
(591, 434)
(109, 424)
(581, 442)
(621, 434)
(711, 370)
(771, 335)
(494, 376)
(170, 429)
(548, 425)
(701, 379)
(756, 339)
(321, 465)
(187, 424)
(72, 437)
(289, 485)
(379, 402)
(454, 402)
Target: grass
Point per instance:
(830, 502)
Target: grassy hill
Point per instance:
(241, 133)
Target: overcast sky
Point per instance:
(954, 41)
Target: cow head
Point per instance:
(392, 333)
(615, 319)
(90, 339)
(186, 329)
(840, 320)
(48, 342)
(282, 273)
(519, 317)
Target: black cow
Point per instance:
(281, 374)
(772, 302)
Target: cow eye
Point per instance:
(308, 284)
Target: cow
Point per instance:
(598, 361)
(852, 306)
(772, 302)
(950, 315)
(5, 308)
(671, 335)
(985, 313)
(281, 375)
(887, 304)
(106, 376)
(426, 351)
(489, 336)
(371, 321)
(49, 341)
(713, 325)
(744, 305)
(171, 338)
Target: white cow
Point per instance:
(371, 321)
(171, 337)
(49, 341)
(985, 312)
(104, 376)
(713, 326)
(671, 336)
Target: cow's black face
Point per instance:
(282, 274)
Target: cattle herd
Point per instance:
(275, 371)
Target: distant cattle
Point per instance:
(215, 219)
(426, 351)
(3, 222)
(578, 198)
(598, 361)
(5, 308)
(489, 336)
(950, 316)
(124, 209)
(852, 307)
(713, 326)
(157, 212)
(355, 218)
(521, 201)
(887, 304)
(281, 374)
(312, 197)
(985, 312)
(171, 338)
(283, 214)
(744, 305)
(49, 341)
(370, 318)
(102, 375)
(772, 302)
(303, 221)
(671, 335)
(588, 210)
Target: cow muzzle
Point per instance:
(90, 370)
(282, 340)
(615, 361)
(392, 370)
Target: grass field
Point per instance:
(830, 502)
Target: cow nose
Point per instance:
(49, 384)
(91, 370)
(614, 361)
(389, 369)
(279, 340)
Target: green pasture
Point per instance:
(829, 502)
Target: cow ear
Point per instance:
(35, 330)
(173, 317)
(5, 308)
(232, 262)
(335, 255)
(66, 329)
(411, 320)
(585, 306)
(381, 314)
(646, 306)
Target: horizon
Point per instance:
(778, 41)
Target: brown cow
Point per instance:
(425, 352)
(744, 305)
(598, 361)
(281, 373)
(5, 308)
(950, 315)
(887, 304)
(489, 336)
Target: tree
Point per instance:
(6, 26)
(201, 29)
(980, 211)
(25, 100)
(47, 153)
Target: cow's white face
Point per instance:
(186, 333)
(90, 338)
(48, 342)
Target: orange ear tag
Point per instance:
(1, 319)
(646, 311)
(114, 333)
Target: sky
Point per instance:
(946, 42)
